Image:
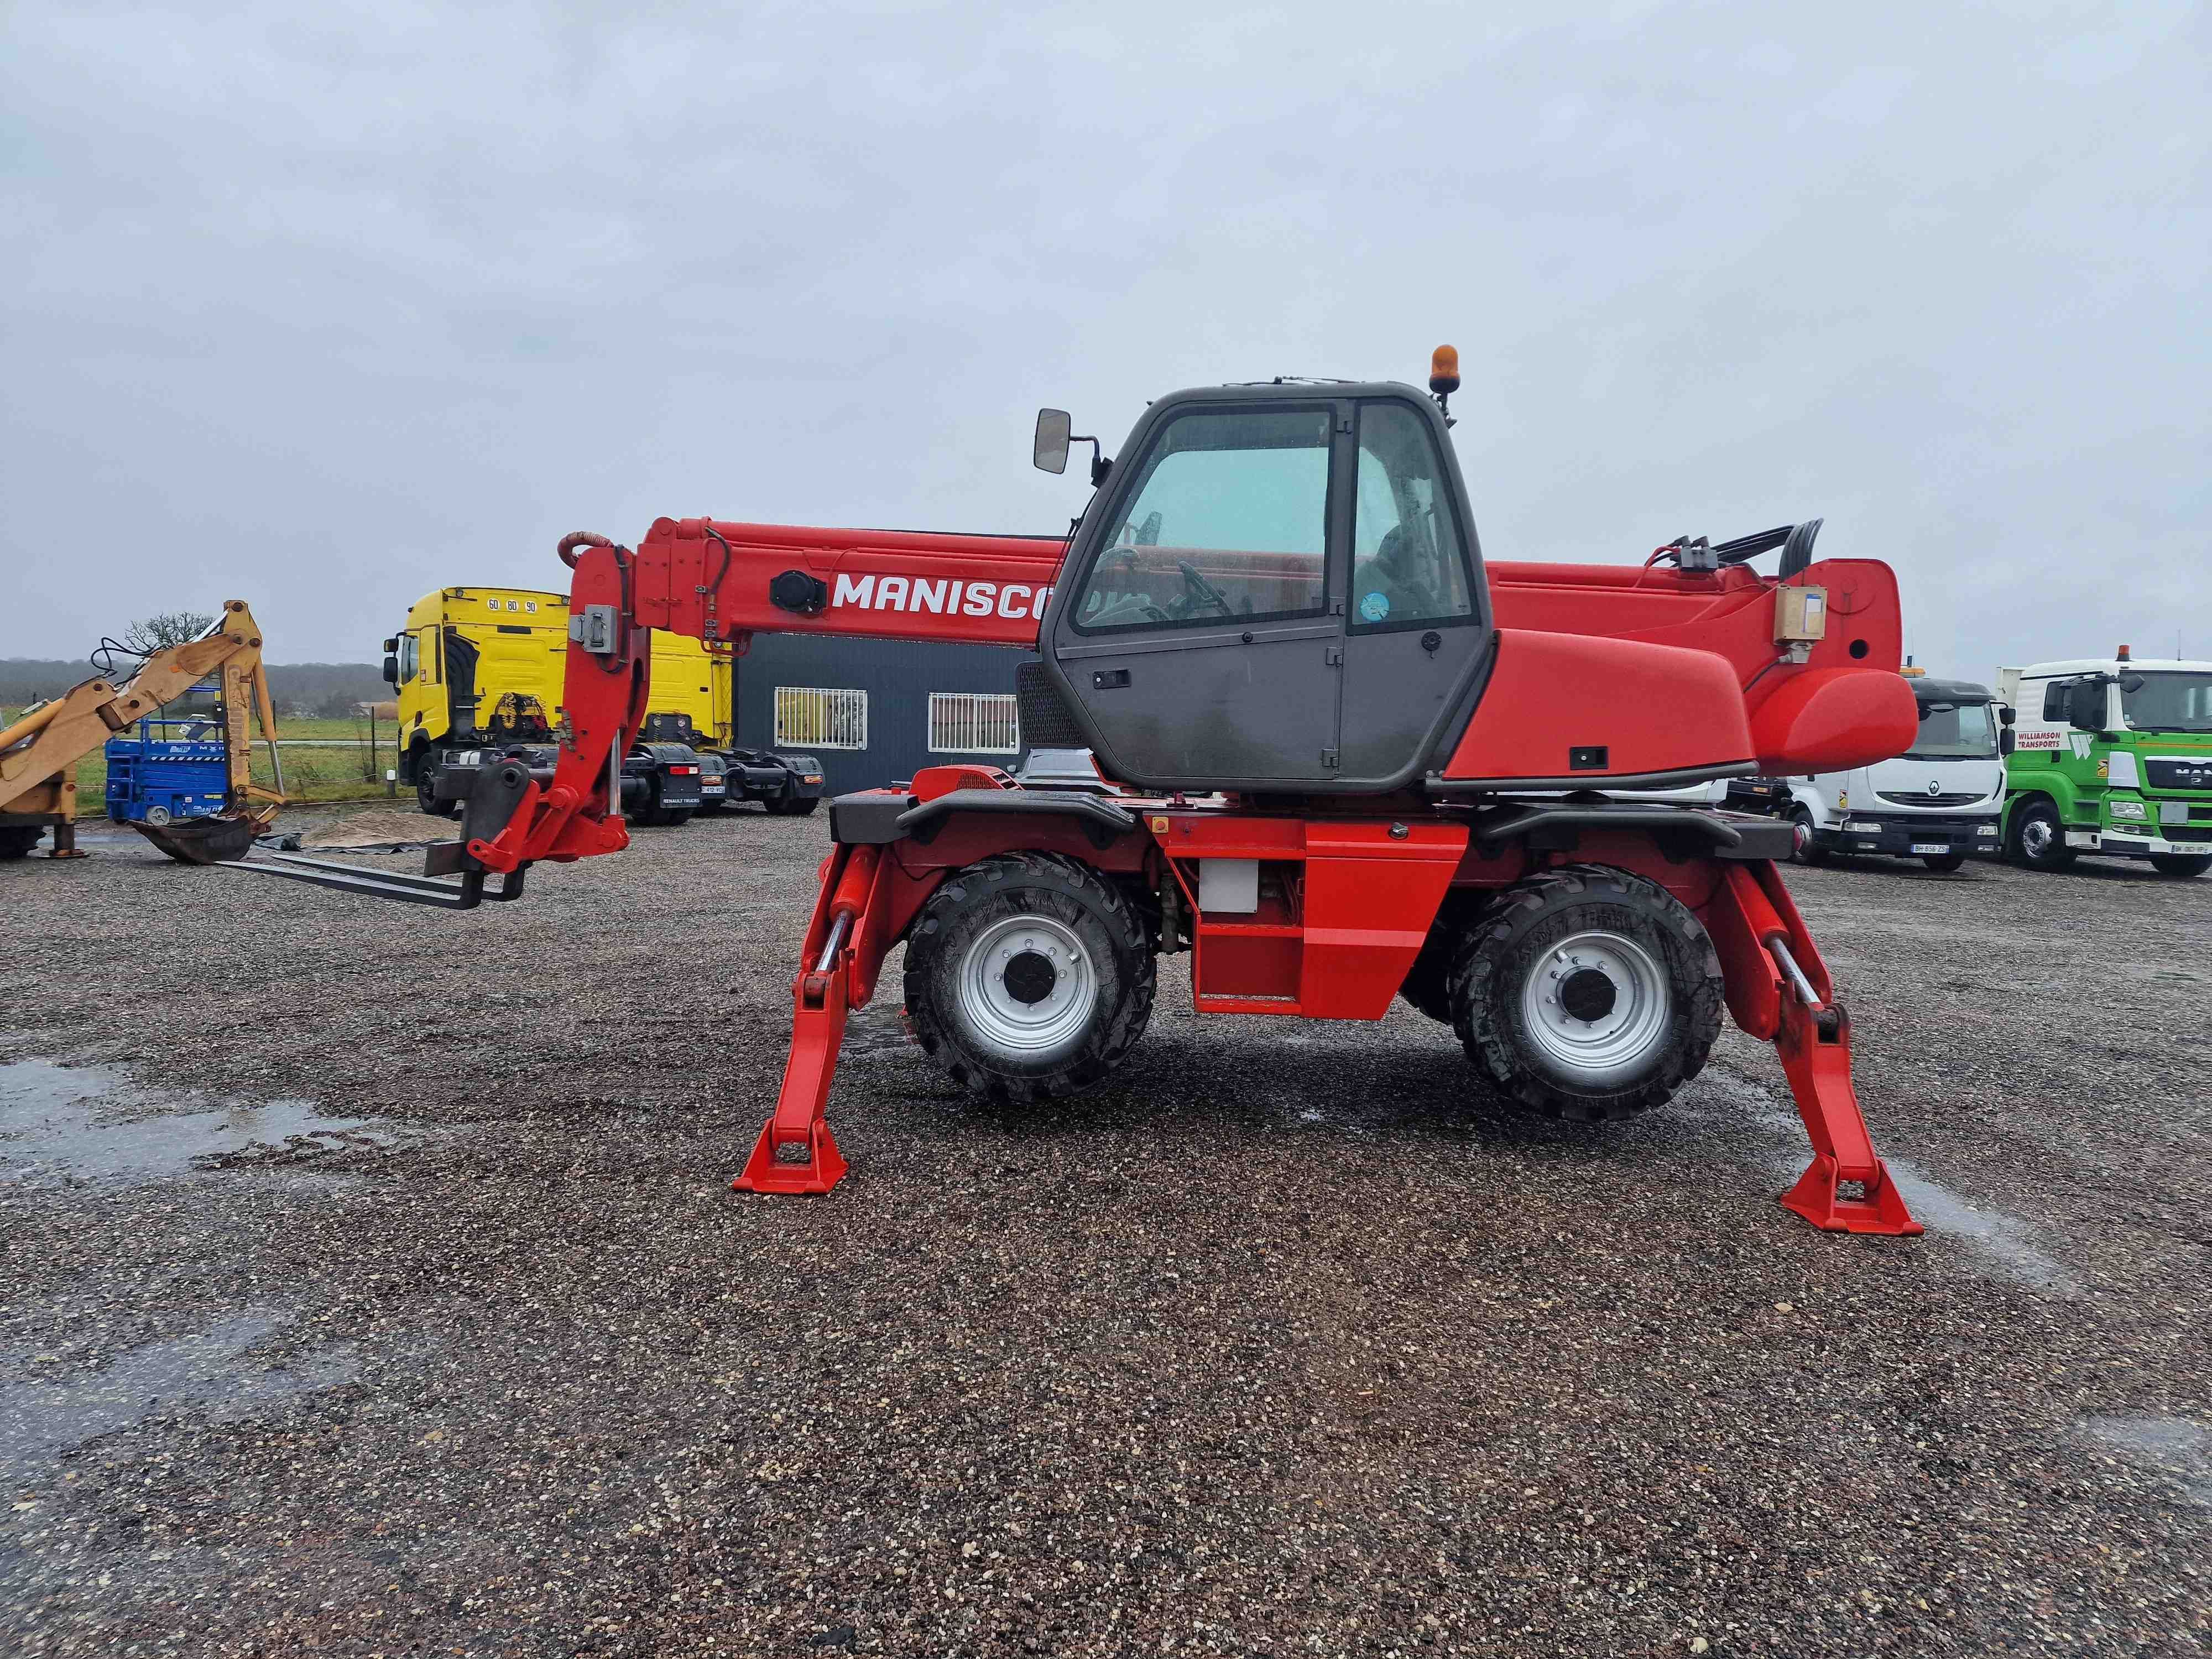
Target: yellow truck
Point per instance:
(479, 673)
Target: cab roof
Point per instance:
(1928, 690)
(2112, 666)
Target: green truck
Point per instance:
(2111, 757)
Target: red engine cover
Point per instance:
(1584, 707)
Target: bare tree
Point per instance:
(158, 633)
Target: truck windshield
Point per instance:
(2169, 702)
(1955, 731)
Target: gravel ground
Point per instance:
(374, 1287)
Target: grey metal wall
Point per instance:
(898, 676)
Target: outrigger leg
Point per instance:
(1778, 989)
(796, 1152)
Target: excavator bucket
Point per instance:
(222, 838)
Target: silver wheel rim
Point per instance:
(997, 1011)
(1616, 1044)
(2035, 837)
(1801, 834)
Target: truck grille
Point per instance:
(2193, 774)
(1926, 800)
(1961, 829)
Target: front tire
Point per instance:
(1028, 976)
(2181, 866)
(2040, 837)
(1587, 993)
(17, 841)
(1803, 848)
(426, 795)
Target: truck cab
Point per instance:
(2111, 757)
(479, 674)
(1939, 802)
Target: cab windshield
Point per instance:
(1955, 731)
(2167, 703)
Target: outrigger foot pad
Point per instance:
(1879, 1209)
(786, 1163)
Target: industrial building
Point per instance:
(876, 711)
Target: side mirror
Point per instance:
(2085, 705)
(392, 644)
(2132, 684)
(2005, 738)
(391, 669)
(2006, 713)
(1052, 429)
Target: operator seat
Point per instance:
(1393, 577)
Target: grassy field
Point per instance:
(310, 775)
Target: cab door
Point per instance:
(1201, 645)
(1416, 634)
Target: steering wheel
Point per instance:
(1202, 591)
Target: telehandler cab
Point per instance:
(1344, 760)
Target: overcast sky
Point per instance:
(326, 306)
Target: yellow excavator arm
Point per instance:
(39, 752)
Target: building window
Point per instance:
(811, 717)
(974, 723)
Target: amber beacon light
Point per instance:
(1444, 377)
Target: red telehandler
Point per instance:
(1342, 758)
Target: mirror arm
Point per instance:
(1100, 466)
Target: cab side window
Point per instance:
(409, 656)
(1408, 562)
(1228, 520)
(2054, 702)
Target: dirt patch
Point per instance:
(383, 827)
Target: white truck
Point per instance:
(1941, 801)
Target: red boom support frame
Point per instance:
(1367, 895)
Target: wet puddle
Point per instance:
(213, 1373)
(84, 1123)
(2172, 1446)
(877, 1029)
(2002, 1238)
(1999, 1239)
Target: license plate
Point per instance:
(2191, 845)
(1931, 846)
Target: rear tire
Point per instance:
(804, 807)
(2040, 838)
(16, 841)
(1028, 976)
(1943, 863)
(1587, 993)
(2181, 866)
